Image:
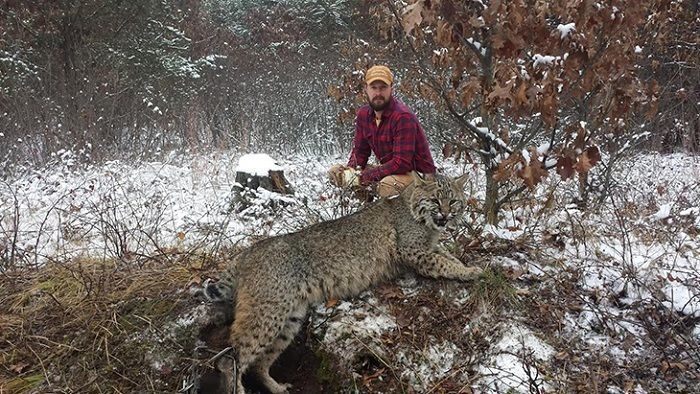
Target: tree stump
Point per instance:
(275, 181)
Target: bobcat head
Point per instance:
(437, 202)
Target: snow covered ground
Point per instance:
(640, 251)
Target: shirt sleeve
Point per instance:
(404, 150)
(360, 146)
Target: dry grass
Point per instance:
(83, 326)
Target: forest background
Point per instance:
(114, 79)
(120, 122)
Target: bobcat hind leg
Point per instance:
(250, 335)
(290, 329)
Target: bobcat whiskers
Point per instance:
(437, 203)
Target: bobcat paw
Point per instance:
(282, 388)
(473, 273)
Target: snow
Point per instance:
(543, 149)
(526, 156)
(565, 30)
(664, 212)
(545, 60)
(348, 332)
(510, 368)
(502, 232)
(184, 202)
(424, 367)
(257, 164)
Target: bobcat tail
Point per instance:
(219, 292)
(221, 296)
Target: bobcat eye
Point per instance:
(455, 203)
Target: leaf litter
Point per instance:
(574, 296)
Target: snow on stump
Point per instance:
(260, 170)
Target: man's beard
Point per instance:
(379, 107)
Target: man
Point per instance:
(388, 128)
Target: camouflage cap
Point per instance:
(379, 73)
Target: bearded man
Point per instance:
(387, 128)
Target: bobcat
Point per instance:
(273, 283)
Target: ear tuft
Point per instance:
(419, 179)
(461, 180)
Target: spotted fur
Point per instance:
(272, 284)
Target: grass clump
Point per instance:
(494, 288)
(94, 325)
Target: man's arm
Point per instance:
(360, 146)
(404, 150)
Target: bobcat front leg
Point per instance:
(441, 264)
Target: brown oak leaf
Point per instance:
(501, 92)
(412, 16)
(533, 172)
(506, 167)
(593, 154)
(521, 95)
(447, 150)
(469, 90)
(565, 167)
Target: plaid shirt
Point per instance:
(398, 142)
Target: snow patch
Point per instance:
(511, 367)
(565, 30)
(259, 164)
(502, 233)
(544, 60)
(426, 367)
(664, 212)
(348, 329)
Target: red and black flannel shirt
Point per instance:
(399, 143)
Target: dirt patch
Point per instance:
(300, 364)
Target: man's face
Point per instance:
(378, 94)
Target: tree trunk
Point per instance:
(583, 189)
(491, 200)
(275, 181)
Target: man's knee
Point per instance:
(392, 185)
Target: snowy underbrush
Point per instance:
(130, 210)
(602, 298)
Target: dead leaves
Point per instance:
(501, 93)
(19, 368)
(367, 379)
(667, 367)
(587, 160)
(569, 164)
(532, 173)
(458, 152)
(390, 292)
(421, 11)
(532, 170)
(565, 167)
(331, 303)
(412, 17)
(469, 91)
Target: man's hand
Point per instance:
(335, 174)
(351, 177)
(344, 176)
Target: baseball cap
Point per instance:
(379, 73)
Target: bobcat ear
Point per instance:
(419, 179)
(461, 180)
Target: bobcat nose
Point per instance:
(440, 220)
